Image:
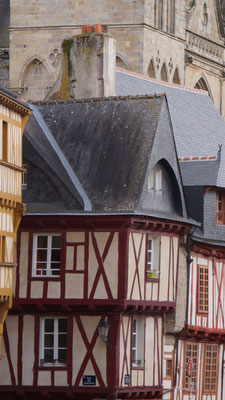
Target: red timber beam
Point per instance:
(87, 307)
(103, 223)
(208, 250)
(81, 393)
(203, 334)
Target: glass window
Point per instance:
(53, 341)
(138, 325)
(210, 368)
(46, 255)
(191, 357)
(203, 288)
(153, 249)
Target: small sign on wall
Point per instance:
(127, 380)
(89, 380)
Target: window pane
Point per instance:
(62, 340)
(62, 355)
(55, 269)
(41, 255)
(48, 340)
(41, 269)
(62, 325)
(55, 255)
(42, 242)
(49, 325)
(48, 355)
(56, 242)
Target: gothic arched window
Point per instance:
(202, 85)
(176, 78)
(36, 80)
(163, 74)
(171, 16)
(151, 70)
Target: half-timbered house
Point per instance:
(99, 245)
(194, 350)
(13, 116)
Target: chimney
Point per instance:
(94, 54)
(88, 65)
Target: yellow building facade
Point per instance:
(13, 117)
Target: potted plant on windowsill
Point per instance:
(153, 274)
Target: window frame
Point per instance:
(202, 289)
(24, 177)
(195, 364)
(170, 375)
(49, 270)
(153, 265)
(220, 203)
(56, 348)
(210, 390)
(138, 362)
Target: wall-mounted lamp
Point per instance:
(103, 330)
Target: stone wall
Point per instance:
(38, 29)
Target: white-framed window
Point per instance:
(153, 249)
(53, 341)
(151, 180)
(24, 177)
(158, 179)
(138, 329)
(46, 255)
(155, 179)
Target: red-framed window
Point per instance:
(191, 355)
(210, 372)
(203, 289)
(220, 207)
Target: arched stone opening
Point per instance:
(121, 63)
(151, 70)
(202, 85)
(176, 78)
(163, 74)
(36, 81)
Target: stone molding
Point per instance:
(204, 47)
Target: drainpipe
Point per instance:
(222, 379)
(189, 261)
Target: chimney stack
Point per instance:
(88, 65)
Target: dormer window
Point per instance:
(220, 212)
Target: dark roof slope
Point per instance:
(197, 125)
(4, 23)
(106, 142)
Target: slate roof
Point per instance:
(116, 134)
(198, 127)
(106, 142)
(4, 23)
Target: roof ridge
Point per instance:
(147, 78)
(198, 158)
(99, 99)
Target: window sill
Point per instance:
(136, 367)
(40, 278)
(61, 367)
(202, 313)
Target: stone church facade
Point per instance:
(179, 41)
